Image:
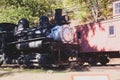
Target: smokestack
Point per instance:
(58, 15)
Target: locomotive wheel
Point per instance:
(80, 62)
(21, 60)
(104, 60)
(103, 63)
(1, 62)
(92, 61)
(1, 59)
(73, 65)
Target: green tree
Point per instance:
(85, 10)
(13, 10)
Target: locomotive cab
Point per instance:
(6, 36)
(8, 29)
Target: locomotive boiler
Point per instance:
(46, 45)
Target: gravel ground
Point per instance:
(112, 71)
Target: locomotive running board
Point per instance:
(35, 39)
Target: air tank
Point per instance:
(29, 45)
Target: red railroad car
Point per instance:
(99, 41)
(101, 36)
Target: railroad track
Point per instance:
(88, 67)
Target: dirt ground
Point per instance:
(112, 71)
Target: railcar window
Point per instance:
(117, 8)
(111, 31)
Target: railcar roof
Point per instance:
(7, 26)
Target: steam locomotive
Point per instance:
(45, 45)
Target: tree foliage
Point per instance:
(85, 10)
(13, 10)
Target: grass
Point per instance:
(6, 69)
(23, 70)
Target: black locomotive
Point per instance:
(46, 45)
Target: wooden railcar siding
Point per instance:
(96, 37)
